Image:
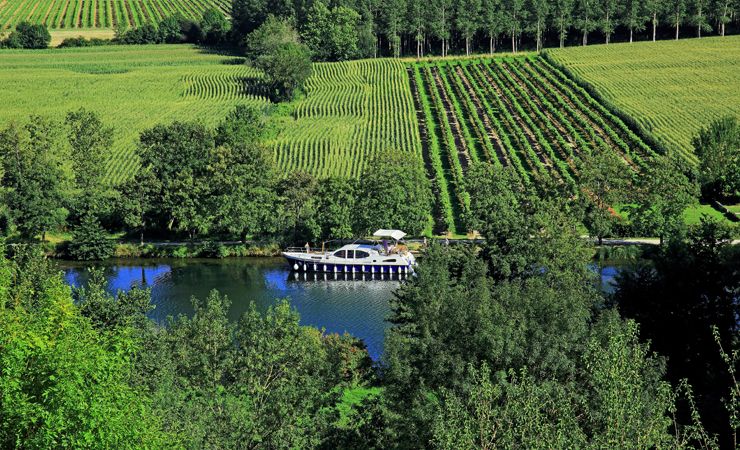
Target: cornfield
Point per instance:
(66, 14)
(672, 88)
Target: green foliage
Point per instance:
(285, 69)
(393, 193)
(35, 175)
(331, 35)
(718, 150)
(662, 195)
(90, 242)
(28, 35)
(335, 211)
(63, 383)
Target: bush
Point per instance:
(90, 242)
(82, 42)
(27, 35)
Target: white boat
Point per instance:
(378, 258)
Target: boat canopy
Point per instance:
(395, 234)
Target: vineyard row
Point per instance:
(520, 112)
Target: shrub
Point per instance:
(27, 35)
(90, 241)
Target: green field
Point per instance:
(85, 14)
(131, 87)
(351, 109)
(673, 88)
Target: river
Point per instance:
(338, 304)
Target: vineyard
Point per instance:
(351, 110)
(131, 87)
(672, 88)
(521, 112)
(66, 14)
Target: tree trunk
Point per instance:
(490, 44)
(141, 237)
(698, 31)
(630, 35)
(655, 24)
(539, 37)
(513, 42)
(43, 236)
(585, 37)
(467, 46)
(608, 33)
(601, 240)
(677, 25)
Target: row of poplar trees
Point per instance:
(408, 27)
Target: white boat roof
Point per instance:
(395, 234)
(357, 247)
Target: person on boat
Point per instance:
(308, 248)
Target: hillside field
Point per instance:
(131, 87)
(86, 14)
(672, 88)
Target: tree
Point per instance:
(699, 16)
(298, 199)
(286, 70)
(35, 176)
(170, 30)
(331, 35)
(539, 19)
(417, 21)
(491, 22)
(718, 149)
(335, 211)
(137, 201)
(90, 142)
(635, 17)
(440, 21)
(690, 286)
(392, 13)
(393, 192)
(605, 182)
(662, 196)
(722, 12)
(655, 9)
(28, 35)
(468, 20)
(515, 17)
(90, 242)
(676, 14)
(586, 13)
(243, 176)
(177, 156)
(65, 383)
(214, 27)
(268, 37)
(563, 18)
(612, 10)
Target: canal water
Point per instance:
(338, 303)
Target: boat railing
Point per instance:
(311, 250)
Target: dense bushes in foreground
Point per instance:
(509, 346)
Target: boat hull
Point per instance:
(299, 264)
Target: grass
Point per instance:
(672, 88)
(131, 87)
(59, 35)
(693, 215)
(101, 14)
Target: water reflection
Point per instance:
(338, 303)
(341, 305)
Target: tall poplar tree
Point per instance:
(586, 13)
(540, 11)
(611, 9)
(563, 18)
(677, 14)
(699, 16)
(655, 9)
(440, 22)
(492, 22)
(468, 20)
(417, 24)
(515, 17)
(634, 17)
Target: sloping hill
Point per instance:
(672, 88)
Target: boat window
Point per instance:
(340, 254)
(389, 260)
(350, 253)
(361, 254)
